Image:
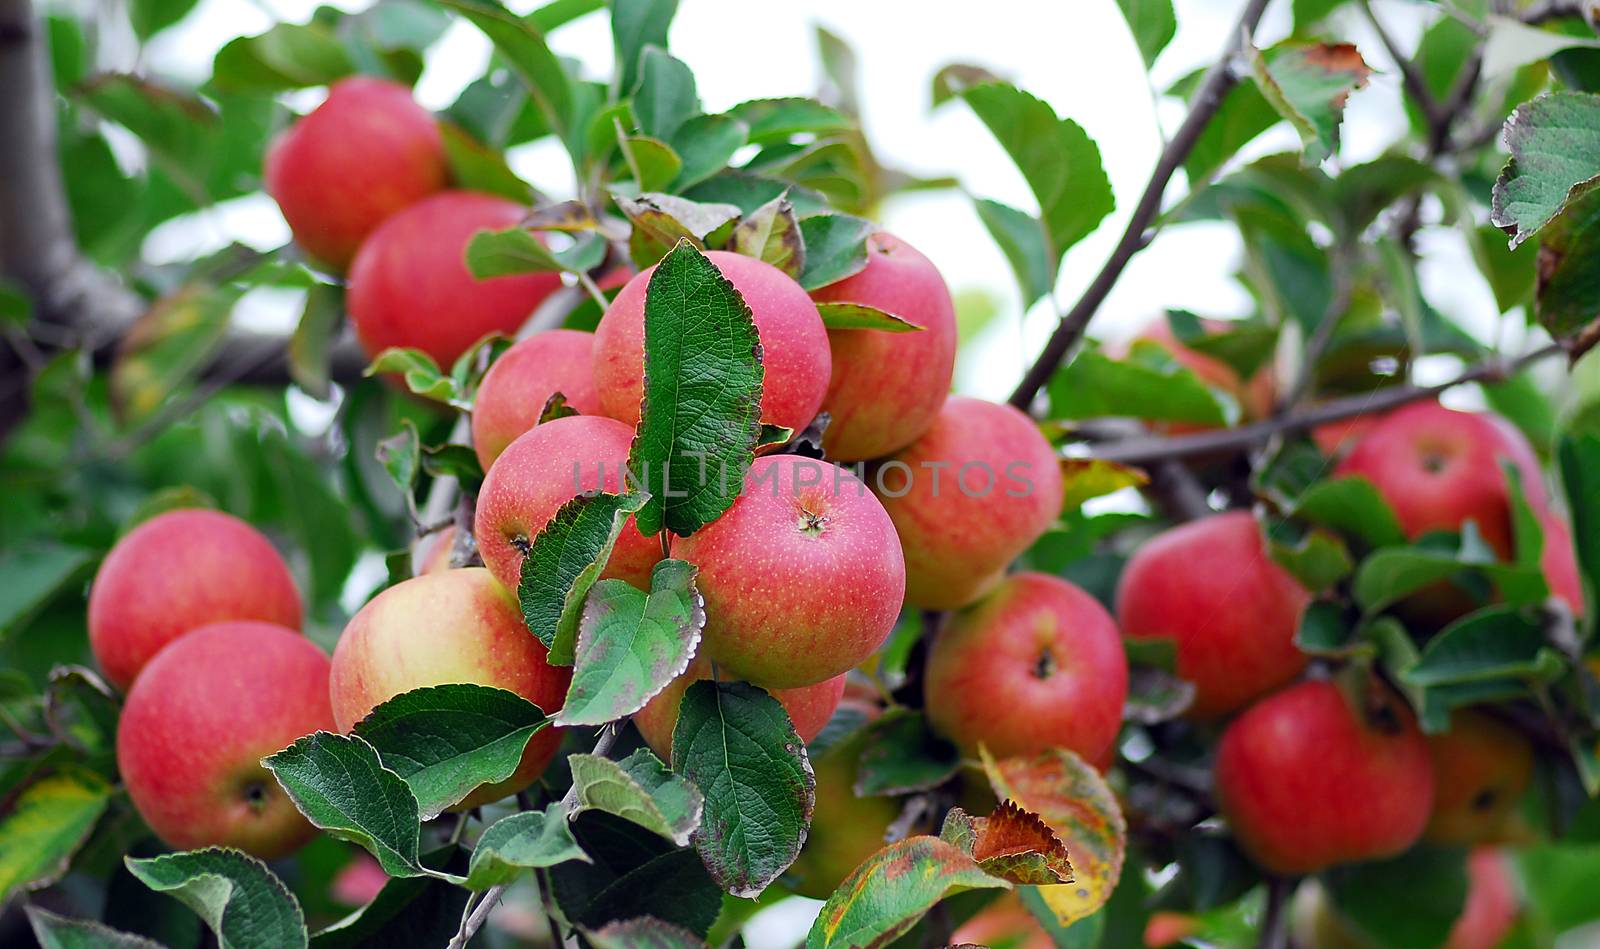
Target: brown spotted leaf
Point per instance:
(1011, 844)
(886, 895)
(1308, 85)
(1074, 800)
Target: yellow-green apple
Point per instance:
(197, 723)
(967, 497)
(544, 468)
(845, 829)
(1292, 767)
(367, 151)
(1439, 468)
(802, 576)
(514, 391)
(1559, 561)
(457, 626)
(794, 344)
(1035, 664)
(809, 707)
(409, 285)
(1481, 768)
(175, 572)
(887, 387)
(1211, 587)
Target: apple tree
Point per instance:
(616, 568)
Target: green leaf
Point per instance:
(660, 221)
(45, 825)
(339, 784)
(643, 932)
(1308, 85)
(657, 164)
(901, 755)
(836, 248)
(1362, 192)
(59, 932)
(400, 455)
(523, 47)
(702, 394)
(705, 144)
(518, 251)
(772, 234)
(1578, 458)
(1324, 631)
(1494, 642)
(237, 897)
(288, 56)
(636, 24)
(149, 17)
(1245, 347)
(1435, 885)
(1093, 385)
(747, 192)
(885, 896)
(1353, 505)
(639, 789)
(446, 741)
(408, 911)
(1244, 114)
(420, 373)
(524, 841)
(1555, 159)
(312, 341)
(1318, 558)
(1510, 271)
(777, 120)
(665, 97)
(1056, 157)
(737, 745)
(1393, 573)
(34, 574)
(952, 80)
(1568, 292)
(1022, 239)
(630, 645)
(167, 347)
(860, 316)
(564, 561)
(475, 166)
(633, 875)
(1153, 25)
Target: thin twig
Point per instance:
(1274, 932)
(1219, 79)
(1410, 76)
(1146, 451)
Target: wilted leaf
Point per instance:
(737, 745)
(888, 893)
(639, 789)
(446, 741)
(1075, 802)
(702, 395)
(1308, 85)
(772, 234)
(1555, 159)
(630, 644)
(237, 897)
(1086, 478)
(564, 561)
(1011, 844)
(660, 221)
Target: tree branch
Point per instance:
(1152, 450)
(1553, 10)
(1213, 88)
(1410, 77)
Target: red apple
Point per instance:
(1439, 468)
(967, 497)
(1491, 907)
(1004, 922)
(887, 387)
(515, 389)
(368, 151)
(545, 468)
(409, 285)
(199, 720)
(1481, 768)
(1036, 664)
(178, 571)
(802, 577)
(458, 626)
(809, 707)
(1560, 561)
(794, 344)
(1211, 587)
(1307, 781)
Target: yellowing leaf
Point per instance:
(1085, 478)
(1076, 803)
(891, 890)
(46, 825)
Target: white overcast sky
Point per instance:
(1075, 54)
